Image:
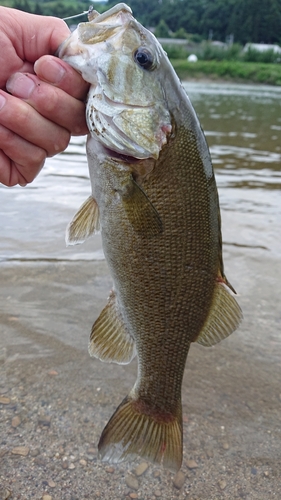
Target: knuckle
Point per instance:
(58, 23)
(49, 101)
(22, 116)
(38, 157)
(6, 135)
(65, 138)
(30, 176)
(61, 142)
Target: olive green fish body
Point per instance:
(159, 277)
(155, 200)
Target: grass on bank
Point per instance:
(229, 70)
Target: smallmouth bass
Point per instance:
(155, 201)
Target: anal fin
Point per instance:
(223, 319)
(110, 340)
(84, 223)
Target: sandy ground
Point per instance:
(55, 399)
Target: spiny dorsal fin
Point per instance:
(110, 340)
(140, 211)
(133, 432)
(84, 223)
(224, 317)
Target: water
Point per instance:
(50, 296)
(242, 124)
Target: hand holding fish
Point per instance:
(41, 98)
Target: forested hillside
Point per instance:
(239, 20)
(245, 20)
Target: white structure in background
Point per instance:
(262, 47)
(172, 41)
(220, 45)
(192, 58)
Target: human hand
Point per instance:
(46, 105)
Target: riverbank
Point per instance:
(237, 71)
(55, 399)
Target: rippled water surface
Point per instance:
(242, 124)
(243, 128)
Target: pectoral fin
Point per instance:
(84, 223)
(110, 340)
(224, 317)
(140, 211)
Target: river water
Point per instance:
(242, 124)
(50, 295)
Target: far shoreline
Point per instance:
(228, 71)
(208, 79)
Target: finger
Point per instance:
(53, 70)
(20, 161)
(22, 119)
(51, 102)
(31, 35)
(26, 67)
(9, 174)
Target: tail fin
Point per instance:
(130, 432)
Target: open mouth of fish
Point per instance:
(101, 28)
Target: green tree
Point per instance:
(247, 20)
(38, 9)
(162, 30)
(256, 21)
(22, 5)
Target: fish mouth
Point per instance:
(116, 9)
(99, 29)
(103, 26)
(123, 113)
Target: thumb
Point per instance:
(32, 35)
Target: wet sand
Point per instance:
(56, 399)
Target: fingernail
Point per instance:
(49, 70)
(2, 101)
(20, 85)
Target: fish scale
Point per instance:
(145, 291)
(155, 200)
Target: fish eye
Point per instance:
(144, 58)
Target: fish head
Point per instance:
(127, 109)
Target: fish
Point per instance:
(155, 202)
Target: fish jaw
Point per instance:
(85, 44)
(126, 108)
